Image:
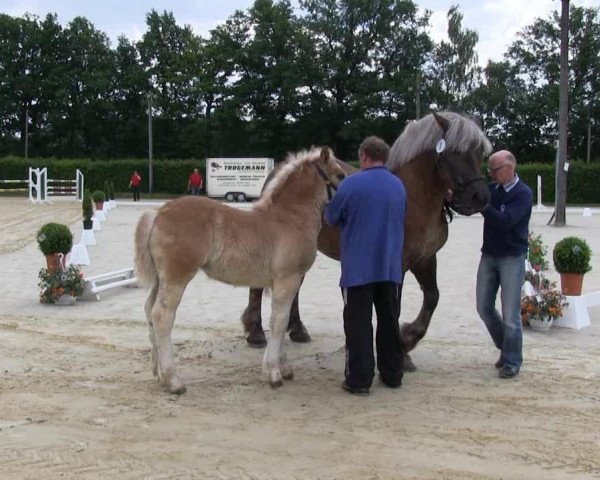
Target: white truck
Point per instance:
(237, 179)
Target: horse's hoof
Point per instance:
(275, 379)
(300, 335)
(287, 373)
(409, 366)
(256, 340)
(176, 387)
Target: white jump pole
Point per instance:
(539, 193)
(79, 185)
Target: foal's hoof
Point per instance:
(275, 380)
(256, 339)
(409, 366)
(299, 334)
(287, 373)
(176, 387)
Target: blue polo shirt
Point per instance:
(369, 207)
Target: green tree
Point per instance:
(454, 72)
(365, 54)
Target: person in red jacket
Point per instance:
(195, 182)
(134, 184)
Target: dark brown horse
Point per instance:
(440, 154)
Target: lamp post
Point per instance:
(26, 131)
(150, 143)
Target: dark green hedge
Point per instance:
(170, 176)
(583, 180)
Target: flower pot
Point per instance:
(541, 324)
(55, 261)
(99, 206)
(66, 300)
(88, 224)
(571, 283)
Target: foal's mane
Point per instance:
(420, 136)
(292, 163)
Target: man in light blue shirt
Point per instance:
(369, 208)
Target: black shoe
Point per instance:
(499, 364)
(508, 372)
(355, 390)
(389, 382)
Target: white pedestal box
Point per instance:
(79, 255)
(88, 237)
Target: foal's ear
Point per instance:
(326, 154)
(441, 121)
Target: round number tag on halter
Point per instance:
(441, 145)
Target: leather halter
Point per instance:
(447, 208)
(330, 186)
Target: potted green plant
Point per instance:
(55, 241)
(88, 210)
(98, 197)
(572, 256)
(537, 252)
(61, 286)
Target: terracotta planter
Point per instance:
(54, 262)
(571, 283)
(99, 205)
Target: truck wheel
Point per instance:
(229, 197)
(241, 197)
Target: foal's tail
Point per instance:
(145, 271)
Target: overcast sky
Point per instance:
(496, 21)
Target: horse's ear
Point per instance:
(326, 154)
(477, 120)
(441, 121)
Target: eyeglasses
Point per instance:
(494, 170)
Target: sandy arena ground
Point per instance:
(78, 400)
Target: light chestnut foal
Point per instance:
(272, 245)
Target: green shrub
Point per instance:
(86, 205)
(54, 238)
(98, 196)
(572, 255)
(111, 191)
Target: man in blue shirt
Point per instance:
(369, 208)
(502, 264)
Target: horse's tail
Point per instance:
(145, 271)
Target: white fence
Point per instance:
(42, 188)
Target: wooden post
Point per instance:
(561, 174)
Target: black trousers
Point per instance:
(136, 194)
(358, 327)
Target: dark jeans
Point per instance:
(358, 327)
(136, 194)
(195, 190)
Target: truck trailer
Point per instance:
(237, 179)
